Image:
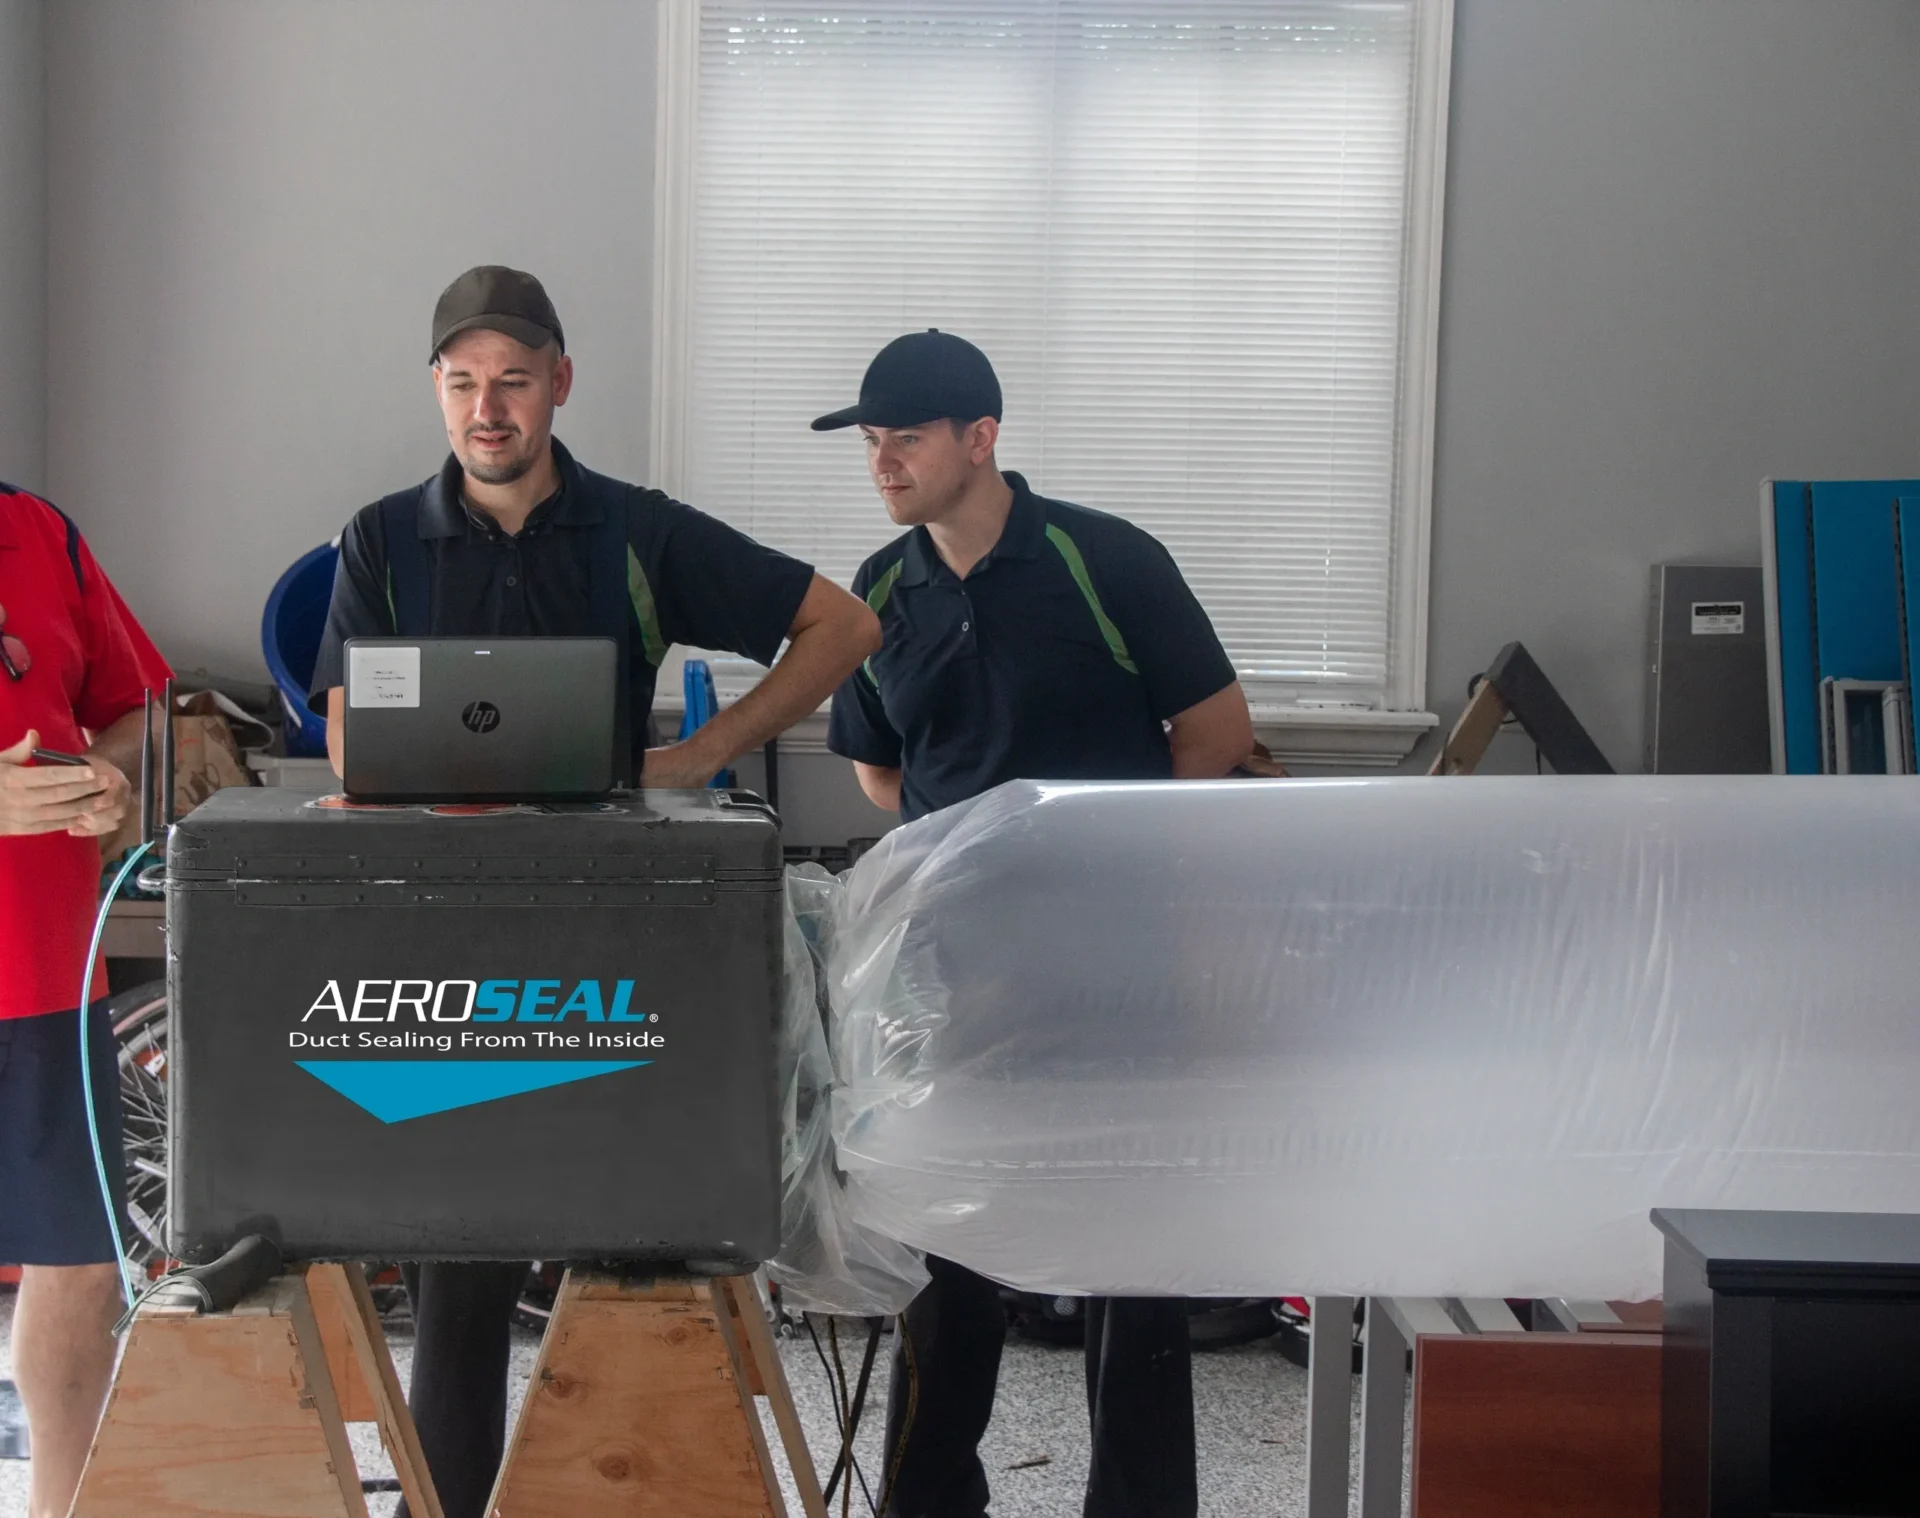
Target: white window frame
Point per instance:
(1344, 736)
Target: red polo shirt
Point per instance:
(91, 664)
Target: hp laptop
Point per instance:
(463, 719)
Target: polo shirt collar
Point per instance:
(444, 515)
(1026, 527)
(1021, 538)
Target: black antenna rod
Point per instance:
(166, 761)
(146, 774)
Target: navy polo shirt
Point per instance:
(1059, 657)
(691, 580)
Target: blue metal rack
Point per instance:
(1836, 589)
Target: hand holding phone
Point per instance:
(58, 796)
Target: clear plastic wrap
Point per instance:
(827, 1262)
(1396, 1036)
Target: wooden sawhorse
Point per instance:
(641, 1406)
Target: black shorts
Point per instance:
(51, 1212)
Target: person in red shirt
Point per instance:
(74, 670)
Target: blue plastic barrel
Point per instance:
(696, 682)
(290, 630)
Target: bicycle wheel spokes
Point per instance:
(140, 1029)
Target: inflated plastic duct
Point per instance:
(1398, 1036)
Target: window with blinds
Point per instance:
(1179, 228)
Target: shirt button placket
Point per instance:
(519, 623)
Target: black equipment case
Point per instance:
(476, 1032)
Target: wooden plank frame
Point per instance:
(236, 1412)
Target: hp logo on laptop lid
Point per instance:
(480, 716)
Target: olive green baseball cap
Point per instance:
(501, 300)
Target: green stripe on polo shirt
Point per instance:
(883, 587)
(641, 594)
(877, 596)
(1077, 567)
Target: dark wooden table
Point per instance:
(135, 930)
(134, 944)
(1791, 1367)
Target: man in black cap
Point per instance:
(1023, 638)
(513, 538)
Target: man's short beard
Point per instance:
(501, 474)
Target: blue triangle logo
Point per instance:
(395, 1090)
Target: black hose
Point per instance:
(243, 1269)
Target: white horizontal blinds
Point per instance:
(1177, 228)
(1223, 304)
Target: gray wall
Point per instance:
(1682, 253)
(1681, 237)
(253, 209)
(23, 243)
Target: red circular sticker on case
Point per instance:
(473, 809)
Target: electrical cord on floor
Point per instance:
(875, 1327)
(833, 1391)
(913, 1406)
(858, 1407)
(86, 1077)
(846, 1415)
(843, 1411)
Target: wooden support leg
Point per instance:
(640, 1408)
(736, 1297)
(752, 1343)
(330, 1308)
(229, 1414)
(1473, 734)
(373, 1369)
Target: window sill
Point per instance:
(1317, 736)
(1338, 736)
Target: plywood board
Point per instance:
(227, 1415)
(634, 1412)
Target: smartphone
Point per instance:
(54, 756)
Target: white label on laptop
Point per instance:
(383, 677)
(1719, 617)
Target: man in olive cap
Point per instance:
(513, 538)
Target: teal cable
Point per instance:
(86, 1072)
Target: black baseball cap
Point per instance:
(922, 377)
(501, 300)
